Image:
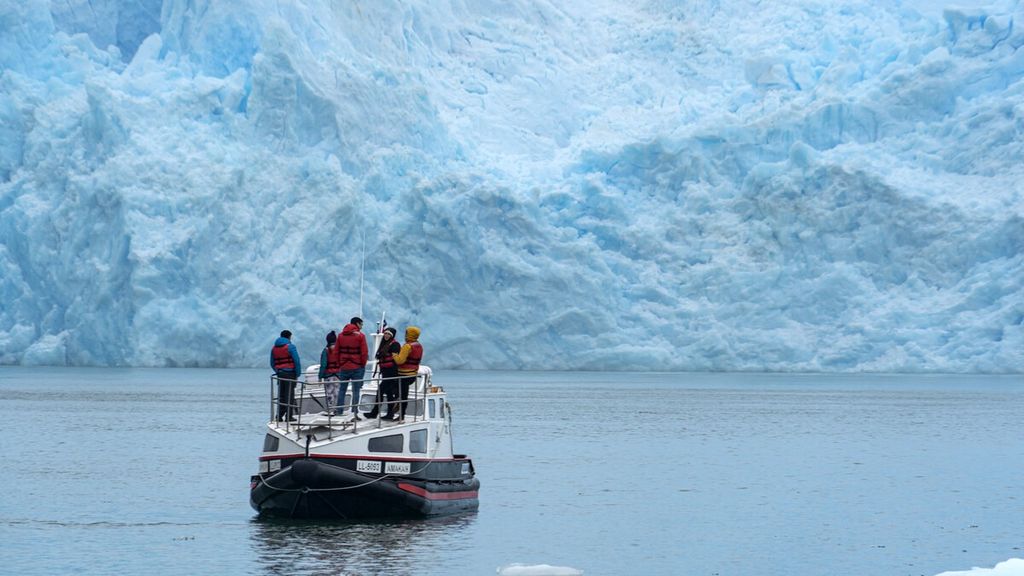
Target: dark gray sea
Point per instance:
(146, 471)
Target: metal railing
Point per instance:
(305, 394)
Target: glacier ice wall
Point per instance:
(676, 185)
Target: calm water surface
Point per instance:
(147, 471)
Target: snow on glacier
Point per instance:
(677, 185)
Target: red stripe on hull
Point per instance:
(348, 457)
(437, 495)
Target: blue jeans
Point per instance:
(356, 377)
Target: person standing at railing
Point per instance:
(352, 347)
(408, 360)
(330, 371)
(284, 359)
(388, 372)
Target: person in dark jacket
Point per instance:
(352, 347)
(284, 359)
(330, 371)
(388, 387)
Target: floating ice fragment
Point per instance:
(537, 570)
(1012, 567)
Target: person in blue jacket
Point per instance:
(284, 359)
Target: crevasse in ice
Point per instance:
(668, 185)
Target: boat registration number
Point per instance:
(368, 466)
(397, 468)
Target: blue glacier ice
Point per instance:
(573, 184)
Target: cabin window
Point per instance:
(418, 441)
(431, 408)
(391, 443)
(270, 443)
(440, 408)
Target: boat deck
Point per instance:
(336, 424)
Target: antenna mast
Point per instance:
(362, 266)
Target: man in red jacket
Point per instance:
(352, 350)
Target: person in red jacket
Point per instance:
(352, 351)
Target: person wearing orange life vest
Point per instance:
(284, 359)
(330, 371)
(408, 360)
(352, 347)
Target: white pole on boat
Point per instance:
(362, 267)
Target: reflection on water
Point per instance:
(370, 548)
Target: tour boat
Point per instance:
(319, 465)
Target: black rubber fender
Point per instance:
(305, 472)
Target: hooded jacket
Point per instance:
(352, 347)
(282, 341)
(408, 359)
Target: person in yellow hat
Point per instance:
(408, 360)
